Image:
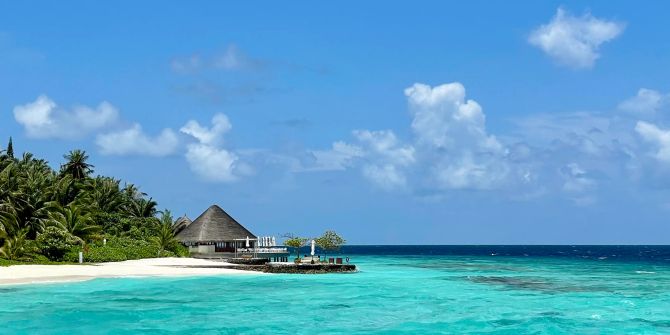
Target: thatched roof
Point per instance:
(214, 225)
(181, 223)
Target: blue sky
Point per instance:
(394, 123)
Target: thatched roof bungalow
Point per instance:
(215, 231)
(181, 223)
(216, 234)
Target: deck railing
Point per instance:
(263, 250)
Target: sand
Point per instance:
(28, 274)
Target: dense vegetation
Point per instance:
(48, 215)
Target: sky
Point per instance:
(424, 122)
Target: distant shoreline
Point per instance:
(149, 267)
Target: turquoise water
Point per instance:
(390, 295)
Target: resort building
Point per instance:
(181, 223)
(215, 234)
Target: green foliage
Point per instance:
(295, 243)
(330, 240)
(55, 242)
(55, 211)
(118, 249)
(10, 149)
(72, 220)
(15, 247)
(76, 165)
(164, 239)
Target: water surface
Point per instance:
(399, 290)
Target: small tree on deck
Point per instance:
(296, 243)
(330, 241)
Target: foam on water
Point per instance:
(397, 293)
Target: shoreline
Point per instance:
(148, 267)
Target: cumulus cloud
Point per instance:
(206, 157)
(575, 41)
(44, 119)
(451, 136)
(646, 103)
(133, 141)
(450, 148)
(212, 135)
(212, 163)
(660, 138)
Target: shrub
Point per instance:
(120, 249)
(54, 243)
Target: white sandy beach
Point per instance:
(27, 274)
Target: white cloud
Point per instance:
(211, 163)
(659, 137)
(451, 148)
(340, 157)
(646, 103)
(451, 137)
(43, 119)
(206, 158)
(214, 135)
(133, 141)
(386, 176)
(385, 145)
(575, 41)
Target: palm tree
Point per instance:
(165, 239)
(72, 220)
(15, 246)
(76, 165)
(142, 208)
(9, 223)
(103, 194)
(63, 191)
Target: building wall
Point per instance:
(201, 249)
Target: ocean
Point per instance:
(398, 290)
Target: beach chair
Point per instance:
(338, 260)
(331, 260)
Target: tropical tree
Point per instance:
(15, 246)
(330, 241)
(9, 223)
(296, 243)
(76, 165)
(142, 208)
(10, 149)
(63, 191)
(165, 239)
(72, 220)
(103, 194)
(55, 242)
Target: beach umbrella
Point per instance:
(247, 242)
(273, 242)
(313, 243)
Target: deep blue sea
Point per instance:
(398, 290)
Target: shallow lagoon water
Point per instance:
(392, 294)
